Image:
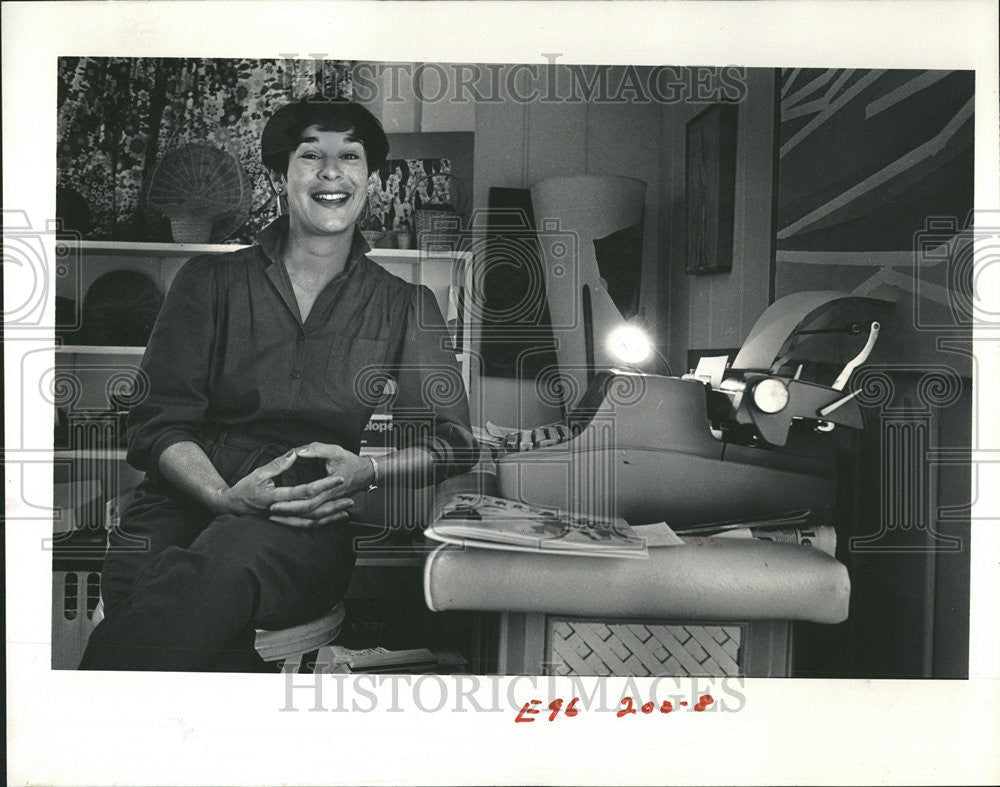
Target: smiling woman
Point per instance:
(321, 155)
(251, 430)
(326, 183)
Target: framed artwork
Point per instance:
(412, 158)
(710, 148)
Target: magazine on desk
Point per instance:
(487, 522)
(791, 527)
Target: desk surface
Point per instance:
(736, 580)
(722, 579)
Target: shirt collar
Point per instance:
(270, 239)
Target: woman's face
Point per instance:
(326, 182)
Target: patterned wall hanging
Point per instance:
(117, 116)
(875, 172)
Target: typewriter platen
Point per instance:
(753, 441)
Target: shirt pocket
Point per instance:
(356, 372)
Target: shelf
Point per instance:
(95, 349)
(157, 249)
(409, 255)
(190, 249)
(117, 454)
(399, 558)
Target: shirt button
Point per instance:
(300, 338)
(295, 374)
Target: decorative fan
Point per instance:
(203, 190)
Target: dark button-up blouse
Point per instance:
(229, 352)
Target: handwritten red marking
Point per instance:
(557, 704)
(628, 705)
(521, 717)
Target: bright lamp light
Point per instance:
(630, 344)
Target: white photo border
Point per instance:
(73, 728)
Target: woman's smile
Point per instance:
(331, 198)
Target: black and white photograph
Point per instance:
(316, 351)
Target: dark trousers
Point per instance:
(183, 589)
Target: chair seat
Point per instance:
(298, 640)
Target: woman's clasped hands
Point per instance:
(321, 502)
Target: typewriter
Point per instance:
(748, 440)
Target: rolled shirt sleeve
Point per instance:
(431, 406)
(175, 368)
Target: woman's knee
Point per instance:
(245, 544)
(232, 538)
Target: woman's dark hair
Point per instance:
(284, 130)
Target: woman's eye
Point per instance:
(350, 155)
(310, 155)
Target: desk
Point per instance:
(711, 607)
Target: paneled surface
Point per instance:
(643, 649)
(718, 310)
(74, 598)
